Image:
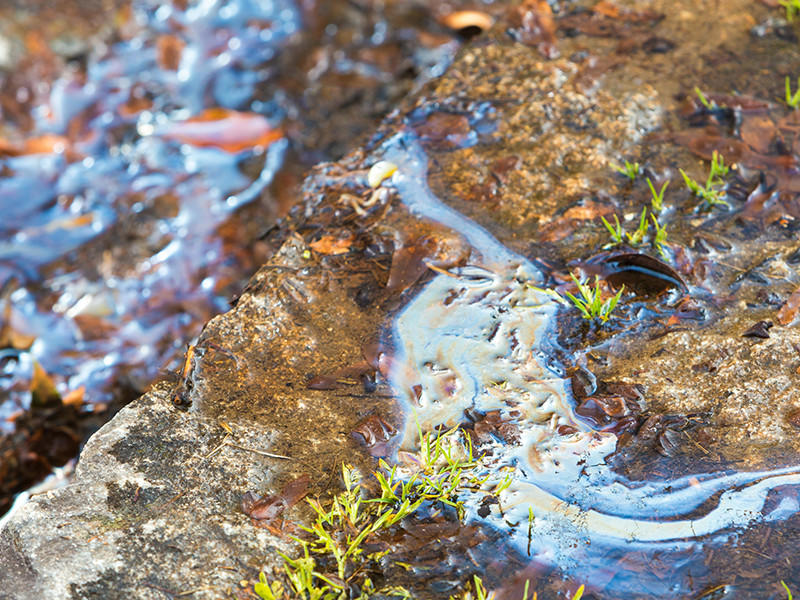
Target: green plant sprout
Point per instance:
(615, 230)
(657, 202)
(788, 591)
(630, 170)
(334, 555)
(712, 192)
(637, 237)
(590, 303)
(660, 239)
(792, 100)
(709, 104)
(618, 235)
(792, 8)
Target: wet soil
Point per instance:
(129, 220)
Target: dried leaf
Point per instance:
(640, 273)
(446, 131)
(732, 150)
(759, 132)
(408, 263)
(271, 506)
(614, 11)
(169, 49)
(74, 397)
(10, 337)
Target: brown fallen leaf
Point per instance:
(169, 49)
(445, 131)
(788, 311)
(759, 330)
(43, 144)
(10, 337)
(409, 263)
(614, 11)
(74, 397)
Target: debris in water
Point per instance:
(759, 330)
(272, 506)
(379, 172)
(377, 434)
(229, 130)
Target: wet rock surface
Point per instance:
(519, 135)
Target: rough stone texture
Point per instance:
(155, 502)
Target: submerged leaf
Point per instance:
(228, 130)
(376, 433)
(43, 390)
(642, 274)
(272, 506)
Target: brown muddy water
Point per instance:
(139, 177)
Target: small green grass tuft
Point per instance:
(590, 303)
(630, 170)
(712, 192)
(657, 201)
(660, 238)
(618, 235)
(334, 555)
(616, 232)
(637, 237)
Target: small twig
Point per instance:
(168, 502)
(259, 452)
(757, 553)
(695, 443)
(440, 270)
(219, 447)
(199, 589)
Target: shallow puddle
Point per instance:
(479, 340)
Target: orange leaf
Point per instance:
(229, 130)
(331, 245)
(75, 397)
(788, 311)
